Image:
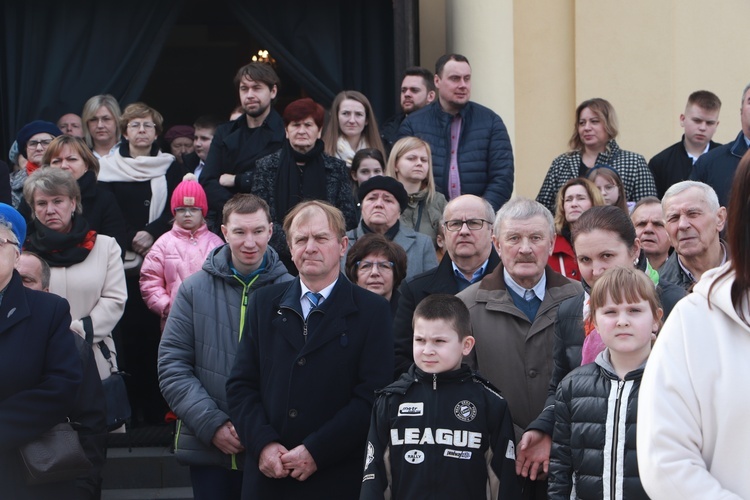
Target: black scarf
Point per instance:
(389, 235)
(62, 249)
(295, 183)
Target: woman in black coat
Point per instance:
(39, 366)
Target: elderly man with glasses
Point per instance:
(469, 256)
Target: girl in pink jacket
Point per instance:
(180, 252)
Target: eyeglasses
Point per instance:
(472, 224)
(35, 144)
(187, 210)
(138, 125)
(7, 241)
(366, 266)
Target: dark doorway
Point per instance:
(194, 72)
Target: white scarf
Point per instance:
(116, 168)
(344, 150)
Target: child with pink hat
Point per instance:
(179, 252)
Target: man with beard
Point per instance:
(258, 132)
(417, 91)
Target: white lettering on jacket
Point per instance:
(448, 437)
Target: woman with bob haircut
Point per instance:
(410, 163)
(691, 413)
(351, 127)
(98, 204)
(378, 265)
(301, 170)
(593, 143)
(575, 197)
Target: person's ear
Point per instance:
(467, 344)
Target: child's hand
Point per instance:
(532, 455)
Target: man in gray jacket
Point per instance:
(200, 341)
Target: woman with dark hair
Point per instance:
(692, 413)
(575, 197)
(99, 205)
(378, 265)
(351, 127)
(593, 143)
(603, 238)
(301, 170)
(367, 163)
(610, 186)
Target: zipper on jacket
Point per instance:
(615, 432)
(243, 303)
(434, 381)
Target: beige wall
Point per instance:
(533, 62)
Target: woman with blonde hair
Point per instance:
(410, 163)
(575, 197)
(351, 127)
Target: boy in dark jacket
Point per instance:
(593, 448)
(440, 431)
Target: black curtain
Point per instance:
(56, 55)
(328, 45)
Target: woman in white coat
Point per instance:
(692, 415)
(86, 266)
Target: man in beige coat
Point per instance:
(513, 313)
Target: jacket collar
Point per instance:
(15, 306)
(739, 148)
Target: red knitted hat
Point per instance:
(189, 193)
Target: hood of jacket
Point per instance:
(217, 264)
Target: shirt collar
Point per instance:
(539, 288)
(695, 158)
(690, 275)
(747, 140)
(474, 277)
(326, 292)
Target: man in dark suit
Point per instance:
(313, 352)
(468, 258)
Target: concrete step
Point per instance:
(150, 472)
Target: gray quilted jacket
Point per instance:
(197, 352)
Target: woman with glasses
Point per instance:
(142, 179)
(377, 265)
(383, 199)
(33, 140)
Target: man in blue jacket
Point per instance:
(716, 168)
(314, 351)
(471, 150)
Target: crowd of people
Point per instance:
(308, 295)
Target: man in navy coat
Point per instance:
(313, 352)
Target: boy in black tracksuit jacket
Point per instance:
(440, 431)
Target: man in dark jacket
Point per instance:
(469, 257)
(303, 384)
(417, 91)
(700, 121)
(200, 341)
(236, 145)
(716, 168)
(471, 150)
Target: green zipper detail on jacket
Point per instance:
(177, 433)
(234, 461)
(243, 305)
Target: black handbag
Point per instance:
(56, 455)
(115, 392)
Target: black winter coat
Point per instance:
(234, 149)
(41, 372)
(437, 280)
(317, 392)
(716, 168)
(569, 336)
(588, 443)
